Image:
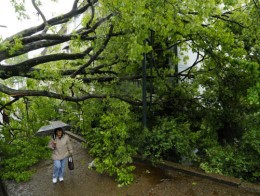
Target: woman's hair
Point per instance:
(55, 132)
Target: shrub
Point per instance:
(22, 153)
(108, 142)
(168, 137)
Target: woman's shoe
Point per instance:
(54, 180)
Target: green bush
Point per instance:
(108, 142)
(222, 160)
(20, 155)
(168, 137)
(239, 160)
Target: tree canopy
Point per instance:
(125, 53)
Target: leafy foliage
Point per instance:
(168, 138)
(107, 141)
(238, 160)
(20, 155)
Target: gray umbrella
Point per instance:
(48, 129)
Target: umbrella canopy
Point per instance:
(48, 129)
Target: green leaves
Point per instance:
(233, 160)
(15, 46)
(169, 136)
(20, 155)
(108, 141)
(254, 94)
(19, 6)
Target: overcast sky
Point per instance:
(8, 17)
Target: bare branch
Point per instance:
(9, 103)
(95, 26)
(42, 15)
(227, 20)
(196, 62)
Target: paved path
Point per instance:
(149, 181)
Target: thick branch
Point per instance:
(39, 37)
(23, 67)
(82, 32)
(45, 40)
(54, 21)
(35, 93)
(29, 47)
(111, 78)
(75, 5)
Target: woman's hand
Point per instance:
(53, 144)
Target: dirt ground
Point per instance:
(149, 181)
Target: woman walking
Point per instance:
(62, 149)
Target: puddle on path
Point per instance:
(154, 175)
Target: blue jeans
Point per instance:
(59, 168)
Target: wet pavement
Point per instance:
(149, 181)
